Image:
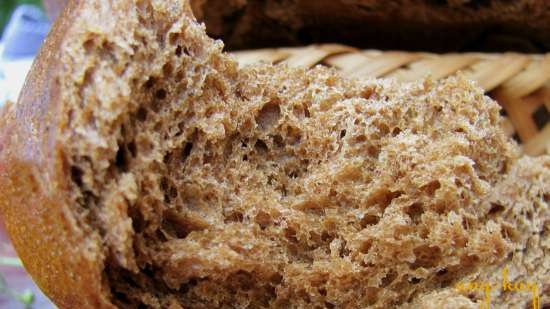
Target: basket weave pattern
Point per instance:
(519, 82)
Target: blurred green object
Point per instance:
(7, 7)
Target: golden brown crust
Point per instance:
(34, 201)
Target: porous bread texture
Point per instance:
(213, 186)
(521, 204)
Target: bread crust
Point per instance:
(34, 188)
(404, 24)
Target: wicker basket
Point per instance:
(519, 82)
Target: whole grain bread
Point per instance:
(143, 168)
(444, 26)
(447, 25)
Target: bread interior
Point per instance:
(210, 185)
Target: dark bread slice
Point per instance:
(142, 168)
(443, 25)
(448, 25)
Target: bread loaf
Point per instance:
(443, 26)
(143, 168)
(447, 25)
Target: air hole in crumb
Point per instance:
(234, 216)
(150, 83)
(360, 138)
(426, 256)
(76, 175)
(263, 219)
(179, 75)
(186, 151)
(373, 151)
(415, 212)
(369, 220)
(365, 246)
(268, 116)
(293, 135)
(327, 237)
(141, 114)
(431, 187)
(383, 128)
(276, 278)
(516, 138)
(172, 192)
(173, 38)
(468, 222)
(387, 198)
(278, 140)
(342, 133)
(260, 147)
(367, 93)
(163, 184)
(167, 69)
(541, 116)
(495, 209)
(389, 278)
(178, 51)
(144, 145)
(510, 233)
(138, 222)
(306, 112)
(158, 127)
(529, 215)
(120, 159)
(290, 234)
(414, 280)
(344, 251)
(88, 45)
(329, 305)
(167, 158)
(395, 131)
(244, 280)
(88, 75)
(293, 174)
(160, 94)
